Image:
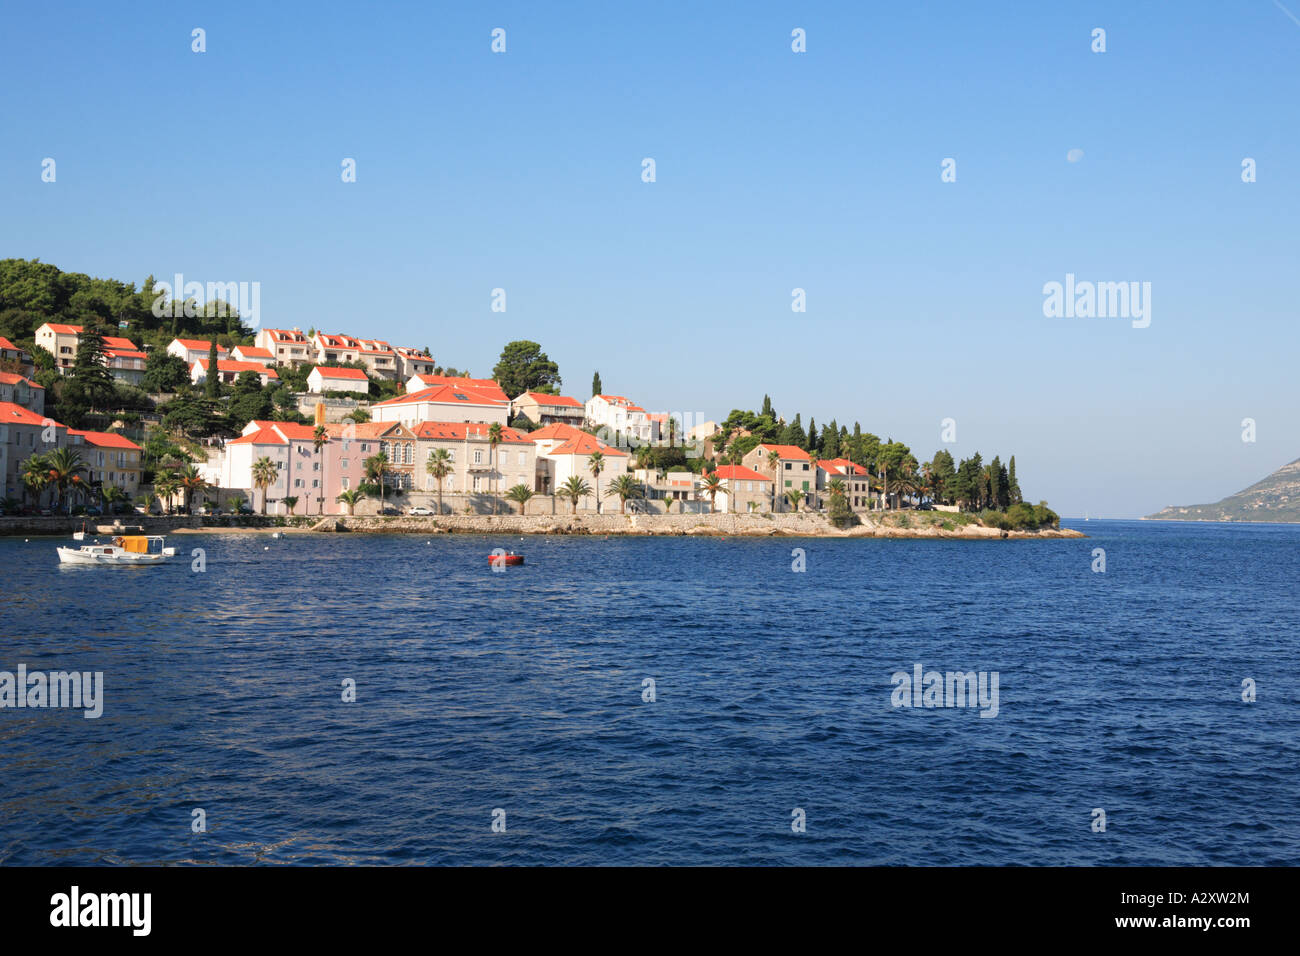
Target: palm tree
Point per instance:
(774, 462)
(236, 502)
(521, 494)
(350, 498)
(112, 496)
(265, 473)
(813, 459)
(596, 464)
(319, 439)
(289, 502)
(625, 486)
(439, 466)
(166, 487)
(65, 468)
(573, 489)
(191, 482)
(795, 496)
(35, 476)
(376, 468)
(711, 485)
(884, 482)
(494, 439)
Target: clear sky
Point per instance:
(775, 170)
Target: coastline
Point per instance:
(901, 525)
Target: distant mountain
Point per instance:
(1276, 498)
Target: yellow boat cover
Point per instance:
(136, 544)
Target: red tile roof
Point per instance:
(451, 395)
(556, 431)
(275, 433)
(739, 473)
(785, 451)
(252, 351)
(486, 385)
(105, 439)
(230, 365)
(196, 345)
(543, 399)
(354, 374)
(62, 329)
(6, 344)
(13, 378)
(11, 414)
(457, 431)
(585, 444)
(843, 466)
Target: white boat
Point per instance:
(124, 549)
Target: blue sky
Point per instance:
(775, 170)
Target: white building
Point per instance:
(622, 417)
(324, 379)
(445, 403)
(191, 350)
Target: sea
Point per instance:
(392, 699)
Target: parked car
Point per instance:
(421, 510)
(390, 510)
(93, 511)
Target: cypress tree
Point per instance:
(212, 387)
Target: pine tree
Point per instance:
(812, 435)
(767, 408)
(1013, 486)
(595, 385)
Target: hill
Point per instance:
(1276, 498)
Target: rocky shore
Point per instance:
(720, 525)
(893, 525)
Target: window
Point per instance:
(478, 458)
(344, 463)
(805, 468)
(478, 483)
(346, 482)
(788, 466)
(805, 486)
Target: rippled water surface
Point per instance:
(523, 691)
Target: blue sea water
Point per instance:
(523, 691)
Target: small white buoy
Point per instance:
(266, 547)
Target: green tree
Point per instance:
(377, 466)
(574, 489)
(350, 498)
(596, 464)
(795, 495)
(596, 388)
(518, 494)
(524, 367)
(711, 485)
(164, 372)
(265, 474)
(625, 486)
(319, 439)
(290, 501)
(67, 473)
(212, 385)
(494, 439)
(439, 466)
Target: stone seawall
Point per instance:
(793, 525)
